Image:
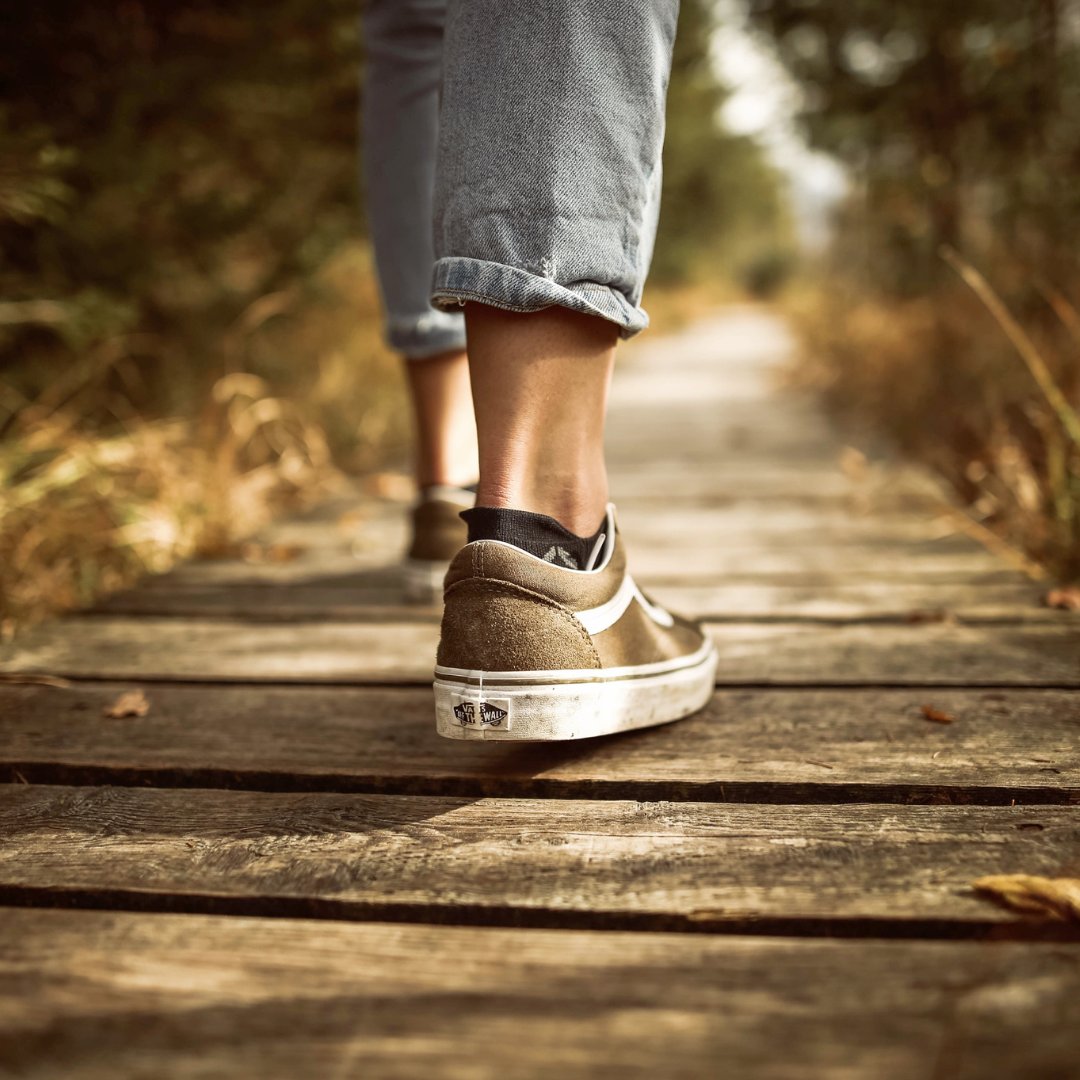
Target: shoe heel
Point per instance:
(496, 706)
(505, 713)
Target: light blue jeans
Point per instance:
(512, 157)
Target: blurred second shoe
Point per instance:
(438, 534)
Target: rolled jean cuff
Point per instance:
(456, 280)
(427, 335)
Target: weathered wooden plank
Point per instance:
(816, 569)
(740, 538)
(946, 560)
(657, 865)
(643, 474)
(339, 570)
(743, 538)
(747, 745)
(377, 597)
(864, 601)
(759, 441)
(720, 516)
(939, 653)
(101, 995)
(759, 653)
(709, 397)
(737, 524)
(279, 603)
(821, 566)
(724, 522)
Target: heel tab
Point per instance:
(469, 562)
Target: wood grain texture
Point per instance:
(757, 745)
(708, 540)
(700, 558)
(223, 650)
(538, 862)
(377, 598)
(287, 766)
(101, 995)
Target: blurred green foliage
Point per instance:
(957, 123)
(189, 323)
(724, 207)
(175, 175)
(164, 167)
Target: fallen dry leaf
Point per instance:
(130, 703)
(270, 553)
(708, 915)
(853, 463)
(1052, 898)
(935, 715)
(1066, 599)
(931, 615)
(281, 553)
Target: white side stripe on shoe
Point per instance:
(608, 614)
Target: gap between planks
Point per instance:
(1030, 931)
(389, 613)
(721, 791)
(768, 746)
(392, 681)
(850, 871)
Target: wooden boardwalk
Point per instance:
(280, 871)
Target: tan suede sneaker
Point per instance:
(437, 535)
(537, 652)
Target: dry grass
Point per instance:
(82, 513)
(324, 348)
(307, 393)
(949, 382)
(85, 511)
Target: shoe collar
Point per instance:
(610, 528)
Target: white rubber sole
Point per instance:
(422, 581)
(538, 706)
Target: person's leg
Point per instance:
(547, 190)
(546, 198)
(403, 46)
(540, 381)
(403, 59)
(445, 428)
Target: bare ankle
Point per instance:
(540, 383)
(446, 452)
(579, 507)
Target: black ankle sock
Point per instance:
(537, 534)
